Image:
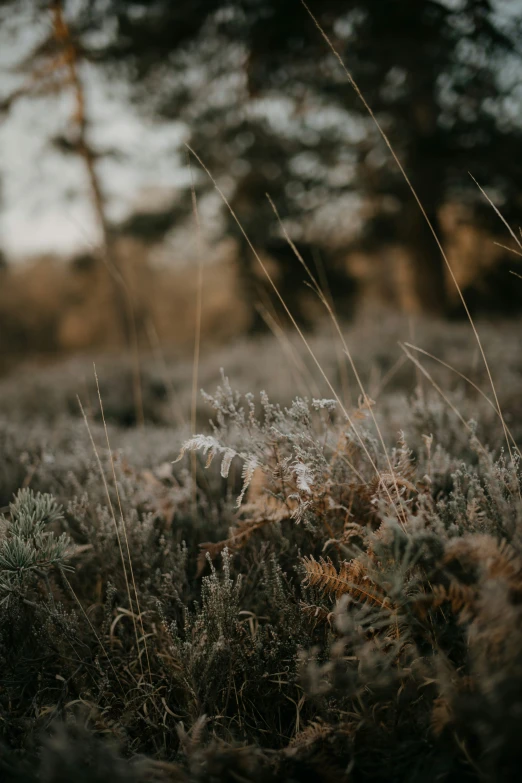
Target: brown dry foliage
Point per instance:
(351, 578)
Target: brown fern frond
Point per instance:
(351, 579)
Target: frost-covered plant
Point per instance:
(289, 445)
(28, 547)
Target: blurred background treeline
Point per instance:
(103, 240)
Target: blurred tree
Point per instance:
(269, 110)
(53, 66)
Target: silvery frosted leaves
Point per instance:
(27, 545)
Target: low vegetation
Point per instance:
(313, 588)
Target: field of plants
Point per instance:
(321, 583)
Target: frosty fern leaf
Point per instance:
(210, 448)
(247, 474)
(205, 443)
(291, 433)
(228, 456)
(304, 477)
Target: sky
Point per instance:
(45, 196)
(45, 205)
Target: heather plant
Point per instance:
(313, 602)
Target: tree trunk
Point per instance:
(122, 303)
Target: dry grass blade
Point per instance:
(109, 503)
(177, 412)
(108, 496)
(510, 250)
(197, 331)
(498, 213)
(124, 528)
